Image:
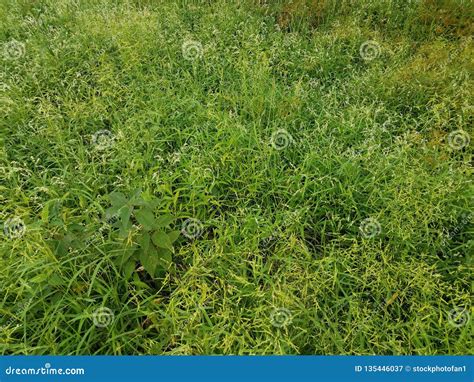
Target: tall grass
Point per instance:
(322, 148)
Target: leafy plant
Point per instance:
(153, 240)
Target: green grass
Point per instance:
(279, 137)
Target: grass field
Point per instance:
(236, 177)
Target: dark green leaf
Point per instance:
(111, 211)
(144, 241)
(128, 269)
(164, 257)
(162, 240)
(124, 215)
(174, 235)
(149, 259)
(138, 283)
(124, 229)
(136, 198)
(164, 220)
(146, 218)
(125, 256)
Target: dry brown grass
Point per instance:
(452, 17)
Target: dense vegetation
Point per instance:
(236, 177)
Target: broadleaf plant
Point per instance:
(152, 241)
